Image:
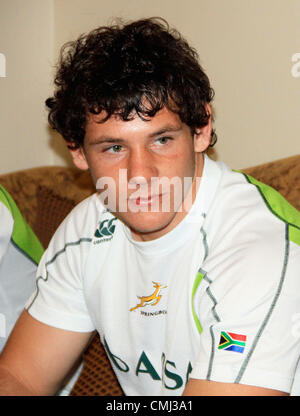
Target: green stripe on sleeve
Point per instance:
(294, 234)
(199, 277)
(280, 207)
(23, 236)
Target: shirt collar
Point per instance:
(192, 222)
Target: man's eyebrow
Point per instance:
(119, 140)
(106, 139)
(166, 129)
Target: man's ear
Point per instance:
(78, 156)
(202, 136)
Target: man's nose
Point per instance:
(141, 167)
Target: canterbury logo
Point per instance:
(106, 228)
(151, 299)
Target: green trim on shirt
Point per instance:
(280, 207)
(23, 236)
(199, 277)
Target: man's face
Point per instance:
(136, 156)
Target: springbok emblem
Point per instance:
(152, 299)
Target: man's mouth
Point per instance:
(144, 201)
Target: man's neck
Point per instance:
(184, 209)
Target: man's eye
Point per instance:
(163, 140)
(114, 149)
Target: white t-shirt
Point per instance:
(217, 298)
(20, 253)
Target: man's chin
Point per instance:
(147, 227)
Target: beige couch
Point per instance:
(45, 196)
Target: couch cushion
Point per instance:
(51, 211)
(283, 175)
(68, 185)
(97, 377)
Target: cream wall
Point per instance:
(246, 47)
(249, 59)
(26, 41)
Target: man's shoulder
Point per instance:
(15, 228)
(250, 217)
(279, 207)
(7, 223)
(242, 193)
(82, 221)
(252, 237)
(87, 205)
(6, 203)
(75, 235)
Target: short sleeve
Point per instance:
(247, 305)
(59, 298)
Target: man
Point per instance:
(189, 271)
(20, 253)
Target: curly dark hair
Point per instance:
(128, 69)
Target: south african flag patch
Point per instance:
(232, 342)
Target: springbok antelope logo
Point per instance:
(151, 299)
